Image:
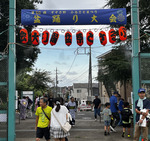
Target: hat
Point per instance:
(116, 92)
(96, 94)
(141, 90)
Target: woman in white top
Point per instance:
(61, 113)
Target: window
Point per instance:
(78, 91)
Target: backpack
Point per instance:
(126, 113)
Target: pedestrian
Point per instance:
(97, 107)
(126, 119)
(43, 114)
(59, 115)
(29, 107)
(23, 108)
(51, 101)
(72, 110)
(120, 107)
(140, 104)
(114, 109)
(107, 118)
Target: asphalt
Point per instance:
(85, 129)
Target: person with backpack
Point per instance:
(43, 115)
(126, 119)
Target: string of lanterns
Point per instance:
(68, 37)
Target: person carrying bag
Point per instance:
(59, 127)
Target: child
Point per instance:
(126, 118)
(107, 118)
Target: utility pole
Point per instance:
(87, 51)
(90, 74)
(135, 49)
(12, 71)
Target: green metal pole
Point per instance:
(12, 71)
(135, 50)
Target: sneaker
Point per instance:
(123, 134)
(129, 136)
(95, 119)
(105, 133)
(108, 133)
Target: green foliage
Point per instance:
(34, 80)
(115, 67)
(25, 56)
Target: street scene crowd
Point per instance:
(52, 114)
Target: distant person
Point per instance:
(23, 108)
(76, 101)
(120, 107)
(114, 109)
(107, 118)
(51, 101)
(29, 107)
(141, 104)
(97, 106)
(126, 119)
(72, 109)
(43, 115)
(59, 113)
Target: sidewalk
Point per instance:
(86, 129)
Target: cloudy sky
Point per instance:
(72, 67)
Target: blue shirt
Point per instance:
(146, 105)
(120, 105)
(113, 101)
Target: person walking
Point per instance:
(120, 107)
(97, 106)
(72, 110)
(59, 113)
(114, 109)
(141, 104)
(23, 108)
(43, 114)
(126, 119)
(107, 118)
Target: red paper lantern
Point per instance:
(89, 38)
(54, 38)
(35, 37)
(122, 33)
(68, 38)
(103, 38)
(79, 38)
(23, 36)
(45, 37)
(112, 36)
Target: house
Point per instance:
(123, 89)
(80, 91)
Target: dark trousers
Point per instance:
(116, 119)
(72, 122)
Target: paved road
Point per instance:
(86, 129)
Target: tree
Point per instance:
(41, 80)
(116, 66)
(25, 56)
(34, 80)
(144, 19)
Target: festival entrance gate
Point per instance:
(77, 17)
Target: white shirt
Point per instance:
(61, 116)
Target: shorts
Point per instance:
(107, 122)
(126, 125)
(43, 132)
